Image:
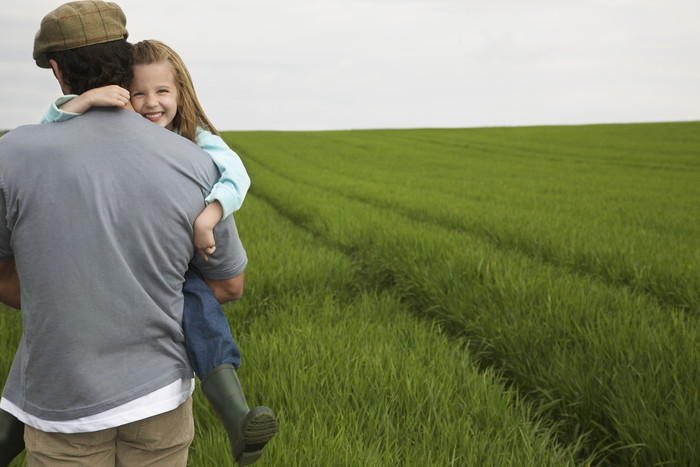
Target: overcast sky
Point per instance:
(348, 64)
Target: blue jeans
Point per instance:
(208, 338)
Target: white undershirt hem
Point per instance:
(158, 402)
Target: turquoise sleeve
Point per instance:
(54, 114)
(233, 185)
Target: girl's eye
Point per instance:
(163, 91)
(135, 94)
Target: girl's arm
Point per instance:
(227, 194)
(233, 185)
(107, 96)
(55, 113)
(72, 105)
(204, 229)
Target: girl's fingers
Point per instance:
(204, 252)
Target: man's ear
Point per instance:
(59, 76)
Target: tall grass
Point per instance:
(600, 353)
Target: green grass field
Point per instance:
(500, 296)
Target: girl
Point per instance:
(162, 92)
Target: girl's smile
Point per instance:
(154, 93)
(154, 117)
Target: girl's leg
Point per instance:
(248, 430)
(208, 338)
(215, 358)
(11, 438)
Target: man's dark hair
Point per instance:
(94, 66)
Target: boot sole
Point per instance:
(259, 426)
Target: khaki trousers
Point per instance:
(162, 440)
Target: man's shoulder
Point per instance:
(21, 135)
(19, 131)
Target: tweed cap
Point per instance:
(77, 24)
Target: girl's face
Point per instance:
(154, 94)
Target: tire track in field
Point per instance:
(669, 291)
(518, 246)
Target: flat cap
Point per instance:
(77, 24)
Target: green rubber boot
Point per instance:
(248, 430)
(11, 438)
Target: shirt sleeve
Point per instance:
(55, 114)
(233, 185)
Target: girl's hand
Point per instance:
(107, 96)
(204, 242)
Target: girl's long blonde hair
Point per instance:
(189, 114)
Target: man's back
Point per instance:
(99, 212)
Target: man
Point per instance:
(101, 372)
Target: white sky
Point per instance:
(347, 64)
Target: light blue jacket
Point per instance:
(233, 185)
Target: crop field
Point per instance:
(470, 297)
